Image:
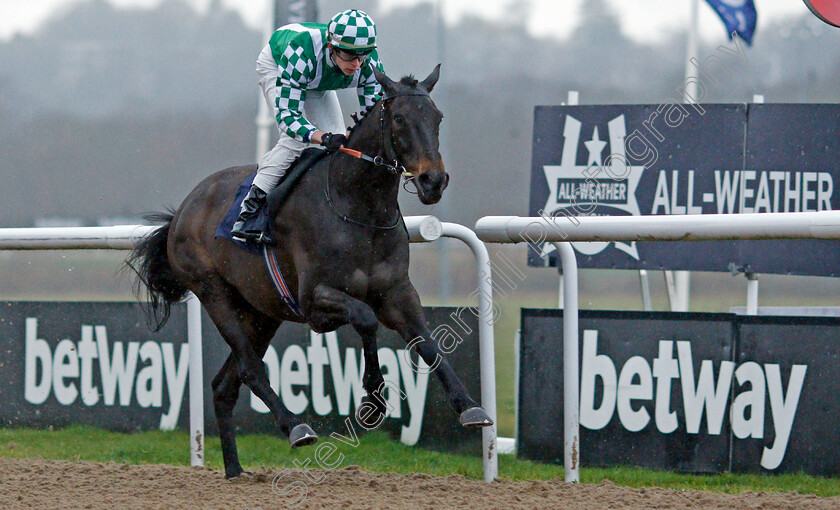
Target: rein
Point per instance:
(377, 160)
(350, 220)
(395, 168)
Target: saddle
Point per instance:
(274, 201)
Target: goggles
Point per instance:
(349, 56)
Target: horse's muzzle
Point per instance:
(430, 186)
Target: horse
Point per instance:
(341, 243)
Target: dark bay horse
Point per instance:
(342, 246)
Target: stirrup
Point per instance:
(258, 237)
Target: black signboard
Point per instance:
(687, 159)
(99, 364)
(686, 391)
(800, 358)
(93, 364)
(633, 409)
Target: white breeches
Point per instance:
(321, 108)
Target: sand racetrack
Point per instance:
(37, 483)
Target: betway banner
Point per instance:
(92, 363)
(675, 158)
(686, 391)
(98, 364)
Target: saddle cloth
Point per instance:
(273, 202)
(263, 220)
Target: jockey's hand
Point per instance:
(333, 141)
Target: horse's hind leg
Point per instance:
(225, 394)
(247, 332)
(330, 308)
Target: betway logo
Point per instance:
(298, 367)
(68, 372)
(634, 382)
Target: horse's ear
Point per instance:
(388, 85)
(429, 82)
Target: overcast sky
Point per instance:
(644, 20)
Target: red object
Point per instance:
(354, 153)
(826, 10)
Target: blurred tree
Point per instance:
(110, 111)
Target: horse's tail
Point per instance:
(151, 263)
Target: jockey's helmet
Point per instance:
(352, 30)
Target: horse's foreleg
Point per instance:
(329, 308)
(401, 311)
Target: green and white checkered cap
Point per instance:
(352, 30)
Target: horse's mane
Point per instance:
(408, 81)
(357, 119)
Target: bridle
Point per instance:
(380, 160)
(385, 143)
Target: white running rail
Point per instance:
(561, 230)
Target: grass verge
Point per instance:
(375, 453)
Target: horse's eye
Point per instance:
(399, 119)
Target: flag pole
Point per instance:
(264, 119)
(691, 48)
(682, 279)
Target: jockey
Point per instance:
(307, 63)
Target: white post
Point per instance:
(691, 50)
(427, 229)
(486, 344)
(671, 287)
(682, 279)
(644, 282)
(196, 373)
(683, 287)
(560, 286)
(752, 278)
(445, 256)
(752, 293)
(517, 339)
(571, 370)
(677, 283)
(572, 99)
(265, 121)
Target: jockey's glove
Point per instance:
(333, 141)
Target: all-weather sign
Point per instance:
(677, 158)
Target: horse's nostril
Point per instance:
(424, 179)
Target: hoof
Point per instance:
(302, 435)
(236, 473)
(370, 413)
(475, 417)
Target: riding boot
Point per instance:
(254, 200)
